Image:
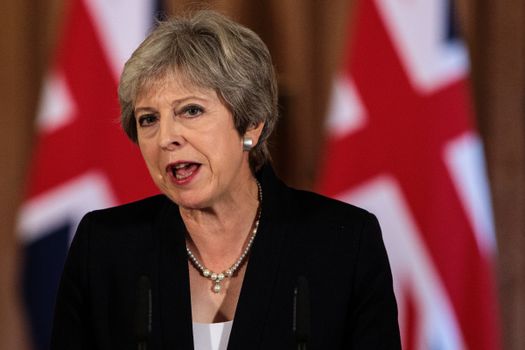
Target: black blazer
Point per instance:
(337, 247)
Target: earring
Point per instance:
(247, 143)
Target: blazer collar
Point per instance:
(258, 289)
(258, 286)
(174, 286)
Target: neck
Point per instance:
(217, 235)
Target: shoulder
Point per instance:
(131, 212)
(335, 228)
(306, 209)
(328, 227)
(111, 241)
(314, 207)
(106, 227)
(127, 216)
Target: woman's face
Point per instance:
(189, 143)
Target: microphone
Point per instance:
(301, 313)
(143, 312)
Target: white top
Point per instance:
(211, 336)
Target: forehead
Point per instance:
(171, 83)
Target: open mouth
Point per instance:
(183, 171)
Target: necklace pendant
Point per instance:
(217, 287)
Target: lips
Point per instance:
(182, 172)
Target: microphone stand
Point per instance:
(301, 313)
(143, 313)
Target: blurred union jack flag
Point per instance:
(403, 144)
(82, 160)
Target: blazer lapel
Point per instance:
(174, 290)
(257, 290)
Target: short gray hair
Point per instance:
(211, 51)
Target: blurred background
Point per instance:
(308, 40)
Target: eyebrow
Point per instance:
(174, 103)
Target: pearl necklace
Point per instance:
(217, 278)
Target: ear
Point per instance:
(254, 132)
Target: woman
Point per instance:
(228, 255)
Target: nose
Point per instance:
(170, 133)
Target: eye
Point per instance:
(192, 111)
(147, 120)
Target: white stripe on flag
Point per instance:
(70, 201)
(419, 30)
(121, 25)
(346, 114)
(466, 165)
(56, 105)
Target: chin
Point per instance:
(197, 196)
(188, 201)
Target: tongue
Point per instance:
(186, 171)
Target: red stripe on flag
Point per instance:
(411, 329)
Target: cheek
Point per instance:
(225, 147)
(149, 154)
(153, 169)
(228, 153)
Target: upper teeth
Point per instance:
(181, 165)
